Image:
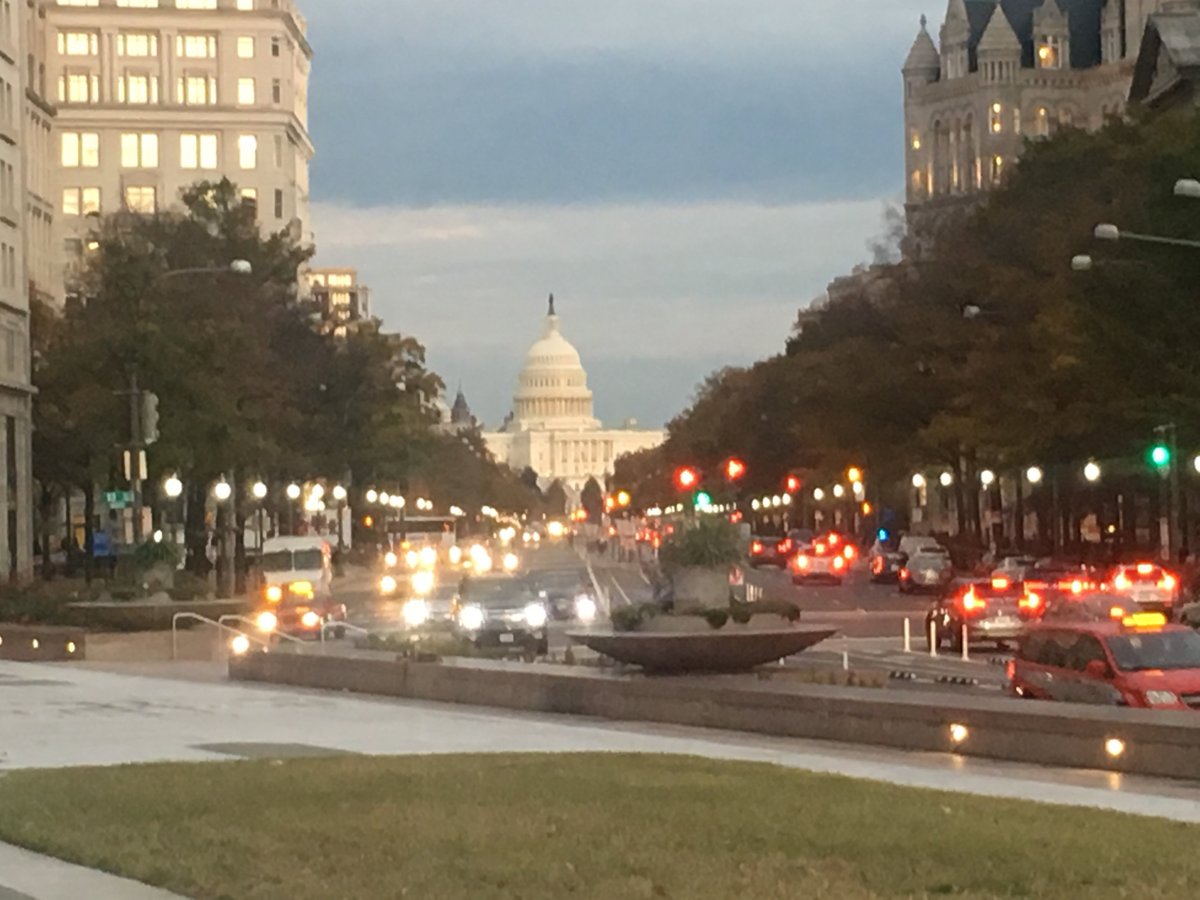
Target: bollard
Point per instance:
(933, 638)
(845, 654)
(907, 635)
(966, 646)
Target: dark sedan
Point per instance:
(503, 614)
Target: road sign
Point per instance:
(118, 499)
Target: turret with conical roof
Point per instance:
(923, 62)
(999, 49)
(956, 40)
(1051, 37)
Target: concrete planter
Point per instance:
(702, 586)
(695, 624)
(737, 650)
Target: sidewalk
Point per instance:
(31, 876)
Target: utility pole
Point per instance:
(134, 461)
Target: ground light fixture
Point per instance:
(958, 733)
(1092, 471)
(1114, 747)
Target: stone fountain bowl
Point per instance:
(712, 651)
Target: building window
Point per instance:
(197, 151)
(247, 151)
(1041, 124)
(997, 118)
(245, 5)
(277, 91)
(139, 151)
(245, 92)
(278, 203)
(137, 4)
(81, 201)
(278, 151)
(137, 44)
(80, 3)
(137, 88)
(195, 4)
(250, 197)
(1049, 52)
(1065, 117)
(80, 150)
(141, 200)
(196, 46)
(78, 43)
(915, 141)
(245, 47)
(274, 46)
(78, 87)
(997, 168)
(196, 90)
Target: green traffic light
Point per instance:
(1160, 455)
(703, 500)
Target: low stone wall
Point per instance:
(41, 643)
(1156, 743)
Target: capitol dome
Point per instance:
(552, 392)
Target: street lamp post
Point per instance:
(293, 495)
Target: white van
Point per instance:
(300, 565)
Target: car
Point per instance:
(503, 614)
(1059, 581)
(1139, 660)
(770, 551)
(1090, 606)
(824, 561)
(1148, 584)
(567, 593)
(992, 610)
(302, 617)
(885, 564)
(927, 570)
(1013, 567)
(431, 609)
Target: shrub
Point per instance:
(156, 553)
(188, 586)
(709, 542)
(628, 618)
(785, 609)
(716, 618)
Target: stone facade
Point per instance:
(1004, 72)
(552, 429)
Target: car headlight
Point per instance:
(455, 555)
(511, 562)
(585, 609)
(387, 584)
(411, 558)
(470, 618)
(1162, 698)
(535, 615)
(310, 619)
(390, 559)
(274, 593)
(422, 582)
(428, 557)
(266, 622)
(416, 613)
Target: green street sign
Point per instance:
(118, 499)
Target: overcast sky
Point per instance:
(682, 174)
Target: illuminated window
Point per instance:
(195, 4)
(245, 5)
(78, 43)
(197, 151)
(1049, 52)
(245, 92)
(196, 46)
(278, 203)
(81, 201)
(997, 118)
(78, 87)
(141, 199)
(197, 90)
(247, 151)
(137, 44)
(1041, 123)
(133, 87)
(245, 47)
(80, 150)
(139, 151)
(78, 2)
(250, 195)
(916, 141)
(997, 168)
(137, 4)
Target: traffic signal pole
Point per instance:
(135, 454)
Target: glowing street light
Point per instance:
(372, 496)
(946, 479)
(339, 493)
(854, 474)
(317, 490)
(818, 494)
(918, 481)
(1034, 475)
(1092, 471)
(259, 490)
(293, 491)
(222, 490)
(173, 487)
(839, 491)
(987, 478)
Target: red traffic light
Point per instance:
(735, 469)
(686, 478)
(793, 484)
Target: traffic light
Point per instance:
(623, 498)
(703, 500)
(686, 478)
(1160, 455)
(735, 469)
(149, 417)
(793, 484)
(854, 474)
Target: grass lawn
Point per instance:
(587, 825)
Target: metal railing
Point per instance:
(220, 626)
(234, 617)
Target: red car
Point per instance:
(1138, 660)
(302, 617)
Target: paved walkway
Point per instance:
(65, 715)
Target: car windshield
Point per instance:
(292, 560)
(1156, 650)
(497, 593)
(928, 558)
(1143, 574)
(560, 581)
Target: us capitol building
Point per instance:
(552, 428)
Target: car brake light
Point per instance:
(833, 539)
(756, 547)
(819, 549)
(1121, 582)
(971, 602)
(1076, 587)
(1000, 583)
(904, 574)
(1030, 601)
(849, 552)
(784, 546)
(1168, 582)
(839, 562)
(801, 561)
(1145, 568)
(1010, 669)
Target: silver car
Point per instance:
(927, 571)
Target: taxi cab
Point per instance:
(1136, 660)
